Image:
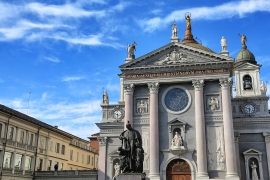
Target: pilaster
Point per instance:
(129, 90)
(102, 163)
(267, 144)
(200, 130)
(231, 167)
(154, 132)
(236, 141)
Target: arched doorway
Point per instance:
(178, 169)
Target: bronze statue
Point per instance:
(131, 152)
(188, 20)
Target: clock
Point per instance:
(176, 99)
(249, 109)
(117, 114)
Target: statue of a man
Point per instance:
(188, 22)
(254, 171)
(131, 49)
(177, 140)
(117, 171)
(174, 30)
(243, 40)
(105, 98)
(223, 43)
(131, 151)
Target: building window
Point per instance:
(88, 159)
(27, 164)
(0, 130)
(7, 159)
(22, 137)
(49, 165)
(57, 147)
(11, 131)
(18, 161)
(71, 154)
(82, 157)
(63, 149)
(77, 156)
(31, 139)
(247, 82)
(51, 146)
(39, 168)
(92, 161)
(42, 143)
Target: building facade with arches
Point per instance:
(179, 97)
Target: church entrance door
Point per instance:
(178, 169)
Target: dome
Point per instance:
(245, 56)
(199, 46)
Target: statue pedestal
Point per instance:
(224, 53)
(129, 176)
(178, 150)
(175, 39)
(127, 60)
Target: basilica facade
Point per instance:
(179, 97)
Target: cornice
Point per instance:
(255, 98)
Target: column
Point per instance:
(23, 163)
(236, 141)
(13, 162)
(129, 89)
(154, 132)
(102, 158)
(200, 130)
(267, 144)
(121, 90)
(228, 129)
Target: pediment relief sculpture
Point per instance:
(175, 57)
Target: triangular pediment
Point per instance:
(177, 121)
(176, 54)
(252, 151)
(247, 66)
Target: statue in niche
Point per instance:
(213, 104)
(223, 43)
(177, 140)
(174, 30)
(263, 88)
(131, 152)
(142, 107)
(131, 49)
(145, 164)
(220, 157)
(117, 171)
(105, 97)
(254, 171)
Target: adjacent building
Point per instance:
(28, 145)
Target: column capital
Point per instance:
(102, 141)
(266, 137)
(129, 88)
(225, 82)
(153, 87)
(198, 84)
(236, 137)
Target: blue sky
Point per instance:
(64, 52)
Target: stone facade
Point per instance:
(187, 88)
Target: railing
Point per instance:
(11, 143)
(17, 144)
(21, 145)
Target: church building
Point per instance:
(179, 97)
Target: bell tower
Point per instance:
(247, 73)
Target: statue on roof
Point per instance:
(131, 49)
(223, 43)
(174, 30)
(243, 41)
(188, 20)
(105, 97)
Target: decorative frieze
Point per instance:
(225, 82)
(213, 104)
(129, 88)
(251, 126)
(102, 141)
(153, 87)
(142, 106)
(198, 84)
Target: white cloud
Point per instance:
(112, 87)
(72, 78)
(263, 60)
(224, 11)
(52, 59)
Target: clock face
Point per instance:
(176, 99)
(249, 108)
(117, 114)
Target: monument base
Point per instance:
(224, 53)
(129, 176)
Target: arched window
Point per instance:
(247, 82)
